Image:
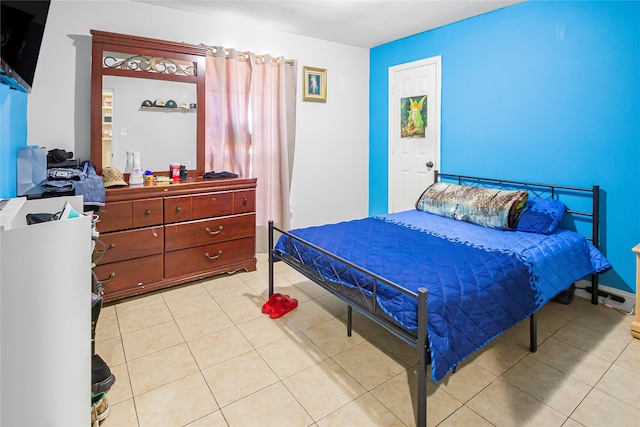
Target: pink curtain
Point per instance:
(250, 127)
(227, 136)
(273, 120)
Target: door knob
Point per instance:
(429, 165)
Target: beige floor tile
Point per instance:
(333, 304)
(259, 283)
(309, 314)
(139, 302)
(264, 330)
(225, 289)
(497, 358)
(364, 411)
(332, 337)
(239, 377)
(215, 419)
(503, 404)
(108, 310)
(175, 404)
(400, 395)
(152, 339)
(270, 407)
(121, 388)
(307, 286)
(630, 357)
(291, 355)
(323, 388)
(107, 328)
(219, 347)
(160, 368)
(606, 346)
(602, 319)
(369, 364)
(559, 391)
(468, 380)
(577, 363)
(111, 351)
(202, 323)
(465, 417)
(150, 315)
(245, 309)
(599, 409)
(191, 303)
(571, 423)
(623, 384)
(121, 414)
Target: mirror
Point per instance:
(162, 133)
(129, 70)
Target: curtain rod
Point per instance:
(246, 55)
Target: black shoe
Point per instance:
(101, 377)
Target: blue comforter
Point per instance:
(481, 281)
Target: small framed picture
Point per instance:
(314, 84)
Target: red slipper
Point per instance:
(274, 301)
(286, 305)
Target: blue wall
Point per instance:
(539, 91)
(13, 135)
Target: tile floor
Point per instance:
(203, 354)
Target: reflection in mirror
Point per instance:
(161, 135)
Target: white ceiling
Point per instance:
(362, 23)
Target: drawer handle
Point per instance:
(147, 212)
(110, 277)
(213, 233)
(178, 209)
(245, 201)
(213, 199)
(213, 257)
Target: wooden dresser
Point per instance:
(160, 235)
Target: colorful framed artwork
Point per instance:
(413, 116)
(314, 84)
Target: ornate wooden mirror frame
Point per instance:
(150, 59)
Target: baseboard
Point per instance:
(629, 299)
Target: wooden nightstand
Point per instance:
(635, 325)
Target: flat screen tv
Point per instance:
(22, 30)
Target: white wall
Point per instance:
(330, 177)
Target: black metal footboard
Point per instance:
(365, 302)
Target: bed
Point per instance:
(446, 277)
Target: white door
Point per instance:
(414, 130)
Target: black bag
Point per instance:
(37, 218)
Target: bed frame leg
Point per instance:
(533, 333)
(423, 350)
(349, 320)
(270, 258)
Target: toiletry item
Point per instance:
(174, 169)
(136, 177)
(129, 166)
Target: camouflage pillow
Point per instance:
(488, 207)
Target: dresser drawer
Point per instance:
(115, 216)
(121, 245)
(244, 201)
(177, 209)
(130, 274)
(207, 231)
(212, 204)
(217, 256)
(146, 212)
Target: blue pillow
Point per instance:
(541, 216)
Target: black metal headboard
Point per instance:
(549, 191)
